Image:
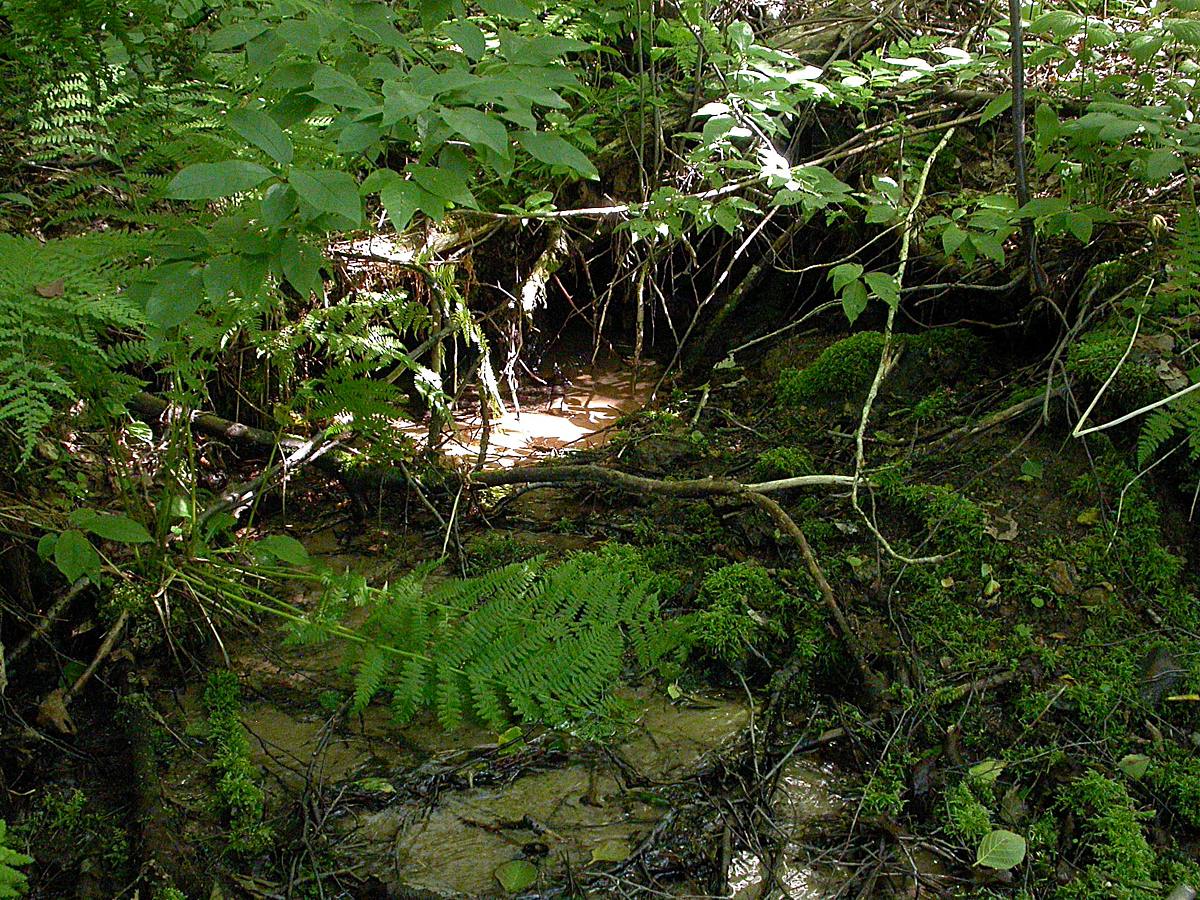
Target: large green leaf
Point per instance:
(554, 151)
(284, 548)
(479, 128)
(118, 528)
(1000, 849)
(469, 37)
(263, 132)
(208, 181)
(75, 556)
(328, 191)
(444, 183)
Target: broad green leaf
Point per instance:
(301, 266)
(118, 528)
(328, 191)
(75, 556)
(1000, 849)
(1161, 163)
(478, 128)
(176, 294)
(854, 300)
(1045, 120)
(445, 184)
(516, 875)
(263, 132)
(554, 151)
(741, 35)
(952, 239)
(1081, 225)
(469, 37)
(511, 9)
(278, 203)
(844, 274)
(884, 286)
(339, 89)
(284, 548)
(45, 546)
(235, 35)
(987, 771)
(1135, 765)
(612, 850)
(1060, 23)
(995, 107)
(990, 246)
(208, 181)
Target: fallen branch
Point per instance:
(45, 623)
(338, 463)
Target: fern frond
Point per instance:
(537, 643)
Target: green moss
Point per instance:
(1096, 356)
(958, 521)
(844, 370)
(1117, 861)
(966, 817)
(783, 462)
(733, 604)
(1176, 778)
(238, 791)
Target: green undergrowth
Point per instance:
(527, 642)
(67, 831)
(846, 369)
(238, 792)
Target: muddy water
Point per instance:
(421, 812)
(805, 797)
(576, 408)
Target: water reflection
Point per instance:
(575, 412)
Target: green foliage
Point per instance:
(58, 303)
(238, 790)
(66, 833)
(525, 641)
(1118, 859)
(844, 370)
(495, 549)
(783, 462)
(734, 604)
(13, 882)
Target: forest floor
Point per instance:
(1043, 644)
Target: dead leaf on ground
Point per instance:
(1007, 533)
(50, 289)
(52, 713)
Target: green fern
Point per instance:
(521, 642)
(59, 303)
(12, 881)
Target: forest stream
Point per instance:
(426, 813)
(714, 449)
